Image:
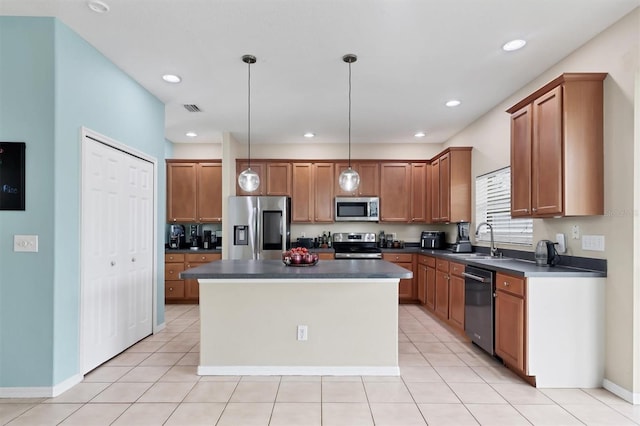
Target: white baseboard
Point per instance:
(41, 391)
(158, 328)
(633, 398)
(275, 370)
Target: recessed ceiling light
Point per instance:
(191, 134)
(453, 103)
(98, 6)
(309, 135)
(171, 78)
(513, 45)
(420, 134)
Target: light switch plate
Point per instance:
(25, 243)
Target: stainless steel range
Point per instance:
(355, 245)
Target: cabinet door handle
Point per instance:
(113, 263)
(534, 209)
(170, 288)
(203, 257)
(506, 284)
(133, 259)
(175, 220)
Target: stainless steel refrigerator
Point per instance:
(258, 227)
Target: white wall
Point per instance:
(614, 51)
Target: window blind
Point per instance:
(493, 205)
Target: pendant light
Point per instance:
(249, 180)
(349, 179)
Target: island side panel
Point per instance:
(565, 321)
(250, 326)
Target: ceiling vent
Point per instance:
(192, 107)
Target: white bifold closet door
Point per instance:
(117, 251)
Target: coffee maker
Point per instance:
(176, 237)
(194, 242)
(462, 244)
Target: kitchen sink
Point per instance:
(478, 256)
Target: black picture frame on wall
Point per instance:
(12, 171)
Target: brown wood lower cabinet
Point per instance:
(509, 321)
(407, 288)
(442, 289)
(183, 291)
(426, 281)
(456, 295)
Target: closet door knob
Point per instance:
(113, 263)
(133, 259)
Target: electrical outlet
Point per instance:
(303, 333)
(25, 243)
(575, 232)
(593, 242)
(562, 245)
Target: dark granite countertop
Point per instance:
(188, 250)
(515, 266)
(267, 269)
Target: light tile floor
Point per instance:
(444, 381)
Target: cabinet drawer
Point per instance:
(427, 260)
(173, 257)
(326, 256)
(397, 257)
(172, 271)
(174, 289)
(442, 265)
(456, 268)
(203, 257)
(509, 284)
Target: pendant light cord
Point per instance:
(249, 115)
(349, 114)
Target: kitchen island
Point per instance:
(260, 317)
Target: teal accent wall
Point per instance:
(26, 286)
(67, 85)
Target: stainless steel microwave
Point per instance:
(357, 209)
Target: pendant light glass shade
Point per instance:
(349, 179)
(249, 180)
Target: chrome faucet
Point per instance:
(494, 250)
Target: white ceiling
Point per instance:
(413, 56)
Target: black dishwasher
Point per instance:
(479, 306)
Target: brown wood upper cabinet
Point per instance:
(395, 188)
(369, 179)
(312, 192)
(194, 191)
(557, 166)
(275, 177)
(451, 185)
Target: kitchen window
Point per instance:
(493, 205)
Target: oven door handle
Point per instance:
(475, 277)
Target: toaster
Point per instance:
(432, 240)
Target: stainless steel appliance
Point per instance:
(432, 240)
(195, 239)
(353, 245)
(479, 307)
(176, 237)
(462, 244)
(259, 227)
(357, 209)
(546, 254)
